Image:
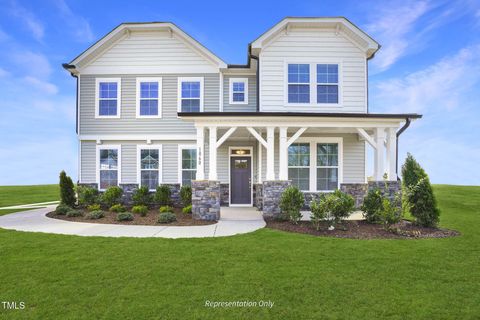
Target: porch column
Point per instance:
(391, 154)
(270, 153)
(283, 153)
(378, 162)
(200, 155)
(212, 146)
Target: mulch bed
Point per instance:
(363, 230)
(149, 220)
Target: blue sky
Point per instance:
(429, 63)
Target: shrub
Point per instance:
(165, 209)
(87, 196)
(74, 213)
(94, 215)
(141, 209)
(67, 192)
(117, 208)
(166, 217)
(390, 212)
(320, 211)
(422, 203)
(340, 205)
(187, 209)
(111, 196)
(162, 195)
(124, 216)
(372, 205)
(291, 202)
(412, 172)
(62, 209)
(142, 197)
(186, 195)
(93, 207)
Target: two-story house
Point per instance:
(157, 107)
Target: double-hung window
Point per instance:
(188, 164)
(327, 166)
(108, 93)
(149, 166)
(298, 83)
(299, 165)
(238, 91)
(149, 97)
(108, 166)
(190, 94)
(327, 83)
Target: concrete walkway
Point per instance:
(232, 221)
(31, 205)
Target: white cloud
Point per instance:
(78, 25)
(42, 86)
(35, 64)
(29, 20)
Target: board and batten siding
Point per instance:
(252, 94)
(128, 123)
(312, 45)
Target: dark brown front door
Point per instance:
(240, 177)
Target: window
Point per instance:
(188, 165)
(327, 83)
(149, 166)
(149, 97)
(190, 94)
(298, 83)
(238, 91)
(299, 165)
(108, 164)
(108, 97)
(327, 166)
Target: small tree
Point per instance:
(390, 212)
(162, 195)
(67, 192)
(186, 195)
(320, 211)
(142, 197)
(291, 202)
(422, 203)
(412, 172)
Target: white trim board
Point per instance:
(137, 137)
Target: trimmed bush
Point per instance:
(74, 213)
(187, 209)
(340, 205)
(166, 217)
(141, 210)
(93, 207)
(112, 196)
(186, 195)
(62, 209)
(422, 204)
(142, 197)
(67, 192)
(165, 209)
(94, 215)
(320, 211)
(117, 208)
(87, 196)
(291, 202)
(162, 195)
(390, 212)
(125, 216)
(372, 206)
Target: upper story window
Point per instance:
(108, 95)
(238, 91)
(298, 83)
(190, 94)
(327, 83)
(149, 97)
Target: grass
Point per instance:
(65, 277)
(16, 195)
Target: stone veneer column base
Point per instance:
(224, 194)
(357, 190)
(258, 196)
(388, 188)
(272, 191)
(206, 199)
(128, 189)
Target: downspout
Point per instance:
(68, 67)
(258, 79)
(405, 126)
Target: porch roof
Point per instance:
(222, 114)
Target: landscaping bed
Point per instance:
(151, 219)
(363, 230)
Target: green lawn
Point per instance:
(15, 195)
(65, 277)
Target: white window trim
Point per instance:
(149, 79)
(313, 83)
(179, 158)
(97, 171)
(245, 93)
(179, 91)
(313, 159)
(97, 97)
(160, 162)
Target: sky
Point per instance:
(429, 63)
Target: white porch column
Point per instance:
(270, 153)
(283, 153)
(212, 147)
(391, 154)
(200, 155)
(378, 162)
(259, 161)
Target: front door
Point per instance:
(240, 179)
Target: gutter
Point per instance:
(69, 68)
(402, 129)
